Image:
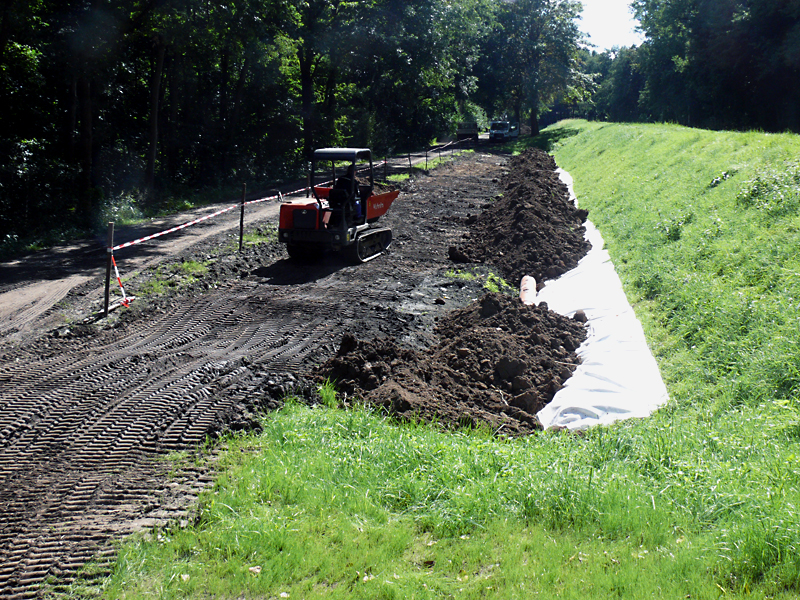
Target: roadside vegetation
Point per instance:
(700, 500)
(264, 234)
(171, 277)
(434, 160)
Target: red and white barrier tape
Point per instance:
(172, 230)
(119, 281)
(196, 221)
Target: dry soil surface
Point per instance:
(89, 408)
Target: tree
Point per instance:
(532, 58)
(722, 63)
(624, 86)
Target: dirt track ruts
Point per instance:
(79, 427)
(84, 419)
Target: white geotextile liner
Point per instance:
(618, 378)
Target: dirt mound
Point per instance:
(532, 228)
(498, 362)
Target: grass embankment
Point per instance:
(699, 501)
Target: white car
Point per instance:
(502, 131)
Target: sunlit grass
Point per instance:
(461, 274)
(496, 284)
(265, 234)
(168, 278)
(332, 503)
(704, 229)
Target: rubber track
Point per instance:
(82, 420)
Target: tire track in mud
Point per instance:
(82, 421)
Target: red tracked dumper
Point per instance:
(340, 217)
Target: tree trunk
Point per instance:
(173, 77)
(71, 121)
(231, 124)
(85, 145)
(330, 102)
(223, 87)
(535, 113)
(155, 93)
(534, 123)
(305, 56)
(236, 109)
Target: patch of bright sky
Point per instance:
(609, 23)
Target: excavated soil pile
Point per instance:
(498, 362)
(532, 229)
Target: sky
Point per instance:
(609, 23)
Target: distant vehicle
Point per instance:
(503, 131)
(467, 130)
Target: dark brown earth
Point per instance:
(88, 410)
(495, 362)
(531, 229)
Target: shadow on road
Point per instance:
(290, 271)
(84, 257)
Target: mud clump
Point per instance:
(533, 228)
(498, 362)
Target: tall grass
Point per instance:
(701, 500)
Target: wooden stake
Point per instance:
(241, 217)
(108, 265)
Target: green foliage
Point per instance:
(496, 284)
(170, 278)
(192, 267)
(530, 59)
(265, 234)
(673, 227)
(774, 193)
(242, 92)
(459, 274)
(327, 394)
(124, 209)
(491, 282)
(730, 64)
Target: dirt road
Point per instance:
(88, 412)
(32, 287)
(41, 291)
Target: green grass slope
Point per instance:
(704, 228)
(699, 501)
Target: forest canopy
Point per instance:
(147, 97)
(717, 64)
